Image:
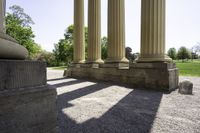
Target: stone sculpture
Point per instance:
(9, 48)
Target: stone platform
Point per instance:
(157, 76)
(27, 103)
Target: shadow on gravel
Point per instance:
(135, 113)
(67, 83)
(55, 79)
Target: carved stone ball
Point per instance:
(185, 87)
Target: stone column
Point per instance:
(2, 15)
(153, 32)
(79, 39)
(94, 31)
(116, 31)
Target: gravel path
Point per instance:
(98, 107)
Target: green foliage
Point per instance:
(63, 50)
(172, 53)
(104, 48)
(47, 57)
(18, 26)
(183, 53)
(196, 51)
(196, 48)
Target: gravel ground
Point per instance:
(99, 107)
(54, 74)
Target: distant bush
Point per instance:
(172, 53)
(183, 53)
(47, 57)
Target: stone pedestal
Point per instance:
(10, 49)
(156, 76)
(27, 103)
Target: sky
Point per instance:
(52, 17)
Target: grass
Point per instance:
(189, 68)
(58, 68)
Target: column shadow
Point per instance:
(135, 113)
(67, 83)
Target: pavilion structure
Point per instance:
(152, 70)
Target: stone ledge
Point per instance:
(15, 74)
(157, 76)
(118, 65)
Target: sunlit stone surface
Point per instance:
(94, 107)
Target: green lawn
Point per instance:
(189, 68)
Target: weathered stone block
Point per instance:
(185, 87)
(157, 76)
(27, 103)
(21, 74)
(31, 110)
(114, 65)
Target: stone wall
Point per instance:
(157, 76)
(27, 103)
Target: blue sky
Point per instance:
(52, 17)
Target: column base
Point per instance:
(123, 60)
(90, 65)
(77, 64)
(10, 49)
(154, 59)
(98, 61)
(116, 63)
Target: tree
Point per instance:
(18, 26)
(172, 53)
(196, 50)
(183, 53)
(63, 50)
(104, 48)
(47, 57)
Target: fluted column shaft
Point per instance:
(116, 31)
(79, 39)
(2, 15)
(153, 31)
(94, 31)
